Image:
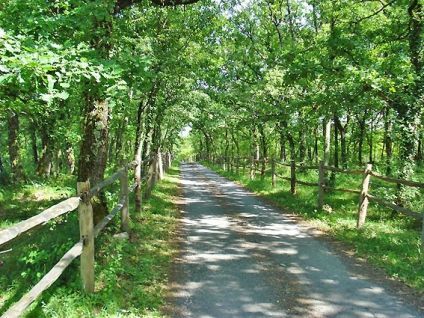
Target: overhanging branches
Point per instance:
(122, 4)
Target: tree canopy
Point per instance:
(95, 82)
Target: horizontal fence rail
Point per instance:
(398, 181)
(42, 218)
(88, 232)
(18, 308)
(395, 207)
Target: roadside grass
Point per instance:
(20, 202)
(388, 240)
(131, 276)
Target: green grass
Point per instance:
(23, 201)
(387, 240)
(131, 276)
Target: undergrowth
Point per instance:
(131, 276)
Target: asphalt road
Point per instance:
(243, 258)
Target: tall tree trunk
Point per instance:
(157, 143)
(302, 146)
(408, 112)
(283, 155)
(255, 143)
(3, 175)
(120, 142)
(371, 143)
(254, 151)
(420, 151)
(111, 146)
(17, 172)
(70, 158)
(207, 144)
(257, 151)
(34, 149)
(343, 146)
(264, 149)
(388, 143)
(236, 156)
(361, 140)
(57, 163)
(2, 170)
(138, 146)
(316, 143)
(44, 166)
(327, 146)
(420, 155)
(93, 154)
(292, 146)
(336, 152)
(336, 141)
(226, 149)
(327, 141)
(202, 150)
(236, 144)
(310, 153)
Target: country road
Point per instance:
(243, 258)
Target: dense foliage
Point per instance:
(87, 84)
(339, 81)
(84, 84)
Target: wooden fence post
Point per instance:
(85, 210)
(321, 184)
(293, 177)
(125, 217)
(363, 199)
(273, 176)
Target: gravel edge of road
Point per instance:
(177, 240)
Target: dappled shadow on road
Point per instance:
(243, 259)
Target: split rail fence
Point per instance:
(88, 232)
(322, 185)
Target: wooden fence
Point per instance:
(88, 232)
(322, 185)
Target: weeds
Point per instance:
(131, 276)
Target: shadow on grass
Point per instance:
(33, 255)
(130, 275)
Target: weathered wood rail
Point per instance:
(84, 248)
(364, 196)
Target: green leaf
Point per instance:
(65, 85)
(50, 83)
(62, 95)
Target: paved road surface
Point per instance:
(241, 258)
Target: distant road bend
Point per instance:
(242, 258)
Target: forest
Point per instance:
(87, 86)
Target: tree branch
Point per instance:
(376, 12)
(122, 4)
